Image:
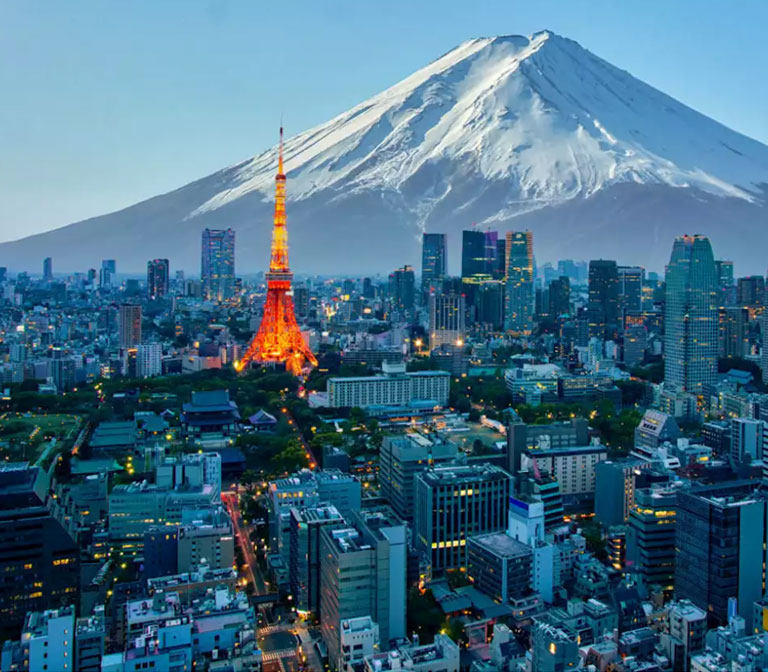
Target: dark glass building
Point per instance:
(433, 262)
(559, 296)
(39, 560)
(402, 286)
(158, 278)
(603, 305)
(720, 545)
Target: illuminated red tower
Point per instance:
(279, 338)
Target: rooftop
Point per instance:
(501, 544)
(456, 473)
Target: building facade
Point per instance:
(690, 316)
(519, 309)
(218, 264)
(433, 262)
(453, 503)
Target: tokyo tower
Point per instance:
(279, 339)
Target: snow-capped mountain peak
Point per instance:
(507, 132)
(540, 113)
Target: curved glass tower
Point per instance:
(690, 316)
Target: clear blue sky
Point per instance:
(105, 103)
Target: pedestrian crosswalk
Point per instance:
(277, 655)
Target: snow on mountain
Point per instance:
(505, 132)
(540, 111)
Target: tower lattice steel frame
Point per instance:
(279, 339)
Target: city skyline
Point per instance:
(470, 377)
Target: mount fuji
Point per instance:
(507, 133)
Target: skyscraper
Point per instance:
(402, 283)
(35, 549)
(559, 296)
(447, 322)
(734, 331)
(630, 289)
(158, 278)
(690, 316)
(433, 257)
(129, 325)
(48, 269)
(720, 538)
(603, 306)
(750, 291)
(474, 260)
(218, 264)
(107, 273)
(724, 272)
(519, 274)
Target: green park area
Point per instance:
(24, 436)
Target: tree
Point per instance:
(424, 615)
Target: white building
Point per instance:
(395, 387)
(572, 466)
(47, 643)
(359, 638)
(149, 360)
(440, 656)
(526, 524)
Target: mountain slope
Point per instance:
(506, 132)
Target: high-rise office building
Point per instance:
(218, 264)
(37, 555)
(474, 261)
(491, 254)
(724, 270)
(363, 573)
(734, 332)
(304, 552)
(630, 290)
(301, 301)
(107, 273)
(651, 537)
(401, 459)
(48, 269)
(603, 306)
(500, 266)
(433, 262)
(129, 325)
(158, 278)
(447, 319)
(750, 291)
(402, 287)
(455, 502)
(559, 297)
(690, 316)
(519, 309)
(480, 277)
(720, 542)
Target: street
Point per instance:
(274, 636)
